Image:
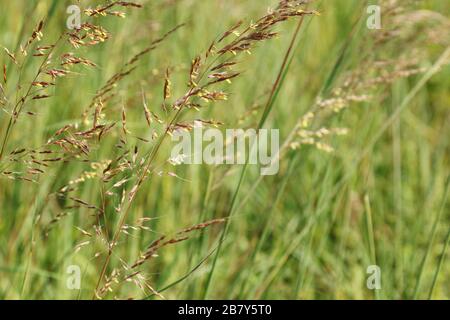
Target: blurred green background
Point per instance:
(309, 232)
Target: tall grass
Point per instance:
(85, 131)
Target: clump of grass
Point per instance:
(75, 142)
(115, 154)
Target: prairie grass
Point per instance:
(85, 124)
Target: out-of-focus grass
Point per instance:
(300, 234)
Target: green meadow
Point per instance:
(92, 208)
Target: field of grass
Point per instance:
(364, 120)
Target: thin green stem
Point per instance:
(266, 112)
